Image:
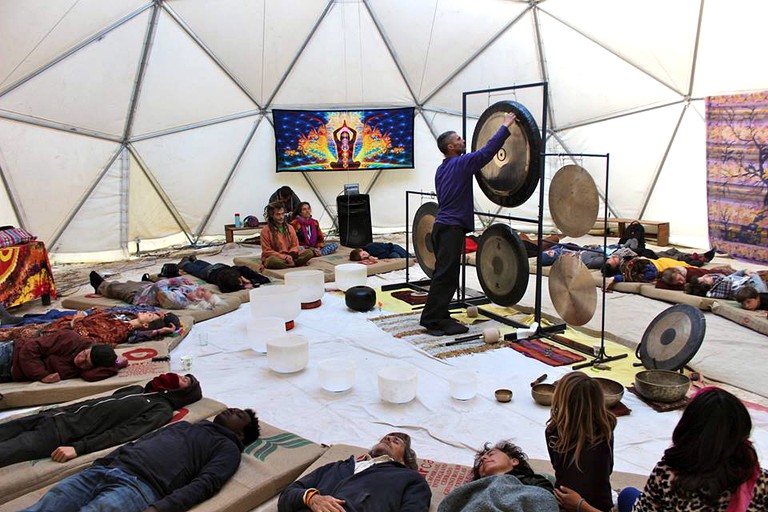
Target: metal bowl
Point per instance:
(503, 395)
(542, 393)
(662, 385)
(612, 390)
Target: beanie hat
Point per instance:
(103, 355)
(163, 382)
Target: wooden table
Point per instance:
(229, 230)
(662, 235)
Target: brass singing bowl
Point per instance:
(662, 385)
(543, 393)
(612, 390)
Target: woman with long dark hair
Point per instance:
(711, 465)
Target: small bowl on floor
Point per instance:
(662, 385)
(503, 395)
(612, 390)
(543, 393)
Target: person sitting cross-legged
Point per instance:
(386, 480)
(65, 432)
(279, 243)
(171, 469)
(309, 233)
(502, 479)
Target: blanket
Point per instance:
(499, 493)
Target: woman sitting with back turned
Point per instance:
(711, 465)
(279, 243)
(502, 479)
(579, 437)
(309, 233)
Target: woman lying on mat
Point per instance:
(711, 465)
(170, 293)
(376, 250)
(503, 480)
(309, 233)
(721, 286)
(110, 327)
(279, 243)
(676, 277)
(579, 437)
(65, 432)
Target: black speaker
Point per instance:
(354, 220)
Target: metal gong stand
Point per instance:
(601, 357)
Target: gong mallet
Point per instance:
(489, 335)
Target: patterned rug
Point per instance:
(546, 352)
(405, 326)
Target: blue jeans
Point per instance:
(627, 498)
(6, 361)
(97, 488)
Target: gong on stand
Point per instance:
(423, 222)
(573, 200)
(502, 265)
(672, 338)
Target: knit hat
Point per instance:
(163, 382)
(103, 355)
(178, 398)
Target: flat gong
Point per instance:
(572, 290)
(422, 236)
(511, 176)
(573, 200)
(672, 338)
(502, 265)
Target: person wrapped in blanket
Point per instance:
(61, 355)
(169, 470)
(65, 432)
(171, 293)
(721, 286)
(502, 479)
(102, 326)
(309, 233)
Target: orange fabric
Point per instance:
(281, 245)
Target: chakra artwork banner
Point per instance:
(343, 140)
(737, 174)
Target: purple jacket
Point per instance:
(453, 182)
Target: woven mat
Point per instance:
(405, 326)
(620, 410)
(660, 406)
(546, 352)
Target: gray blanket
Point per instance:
(502, 493)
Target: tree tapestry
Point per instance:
(737, 174)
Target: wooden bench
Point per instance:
(229, 230)
(662, 229)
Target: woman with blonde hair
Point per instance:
(580, 442)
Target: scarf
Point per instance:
(742, 496)
(308, 231)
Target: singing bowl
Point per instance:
(543, 393)
(612, 390)
(662, 385)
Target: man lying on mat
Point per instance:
(110, 327)
(226, 277)
(70, 431)
(57, 356)
(386, 479)
(171, 469)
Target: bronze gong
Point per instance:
(572, 290)
(511, 176)
(422, 236)
(502, 265)
(573, 200)
(672, 338)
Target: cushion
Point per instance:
(676, 297)
(755, 320)
(14, 236)
(231, 302)
(23, 478)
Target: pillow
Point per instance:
(13, 236)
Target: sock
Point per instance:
(452, 327)
(95, 280)
(709, 255)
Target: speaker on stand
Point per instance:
(354, 212)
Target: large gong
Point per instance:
(573, 200)
(422, 236)
(511, 177)
(502, 265)
(672, 338)
(572, 290)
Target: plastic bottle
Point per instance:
(238, 223)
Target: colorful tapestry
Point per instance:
(25, 274)
(546, 352)
(737, 174)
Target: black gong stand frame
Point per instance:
(601, 357)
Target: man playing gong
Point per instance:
(455, 218)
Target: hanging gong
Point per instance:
(573, 200)
(502, 265)
(511, 177)
(422, 236)
(572, 290)
(672, 338)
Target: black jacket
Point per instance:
(184, 463)
(384, 487)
